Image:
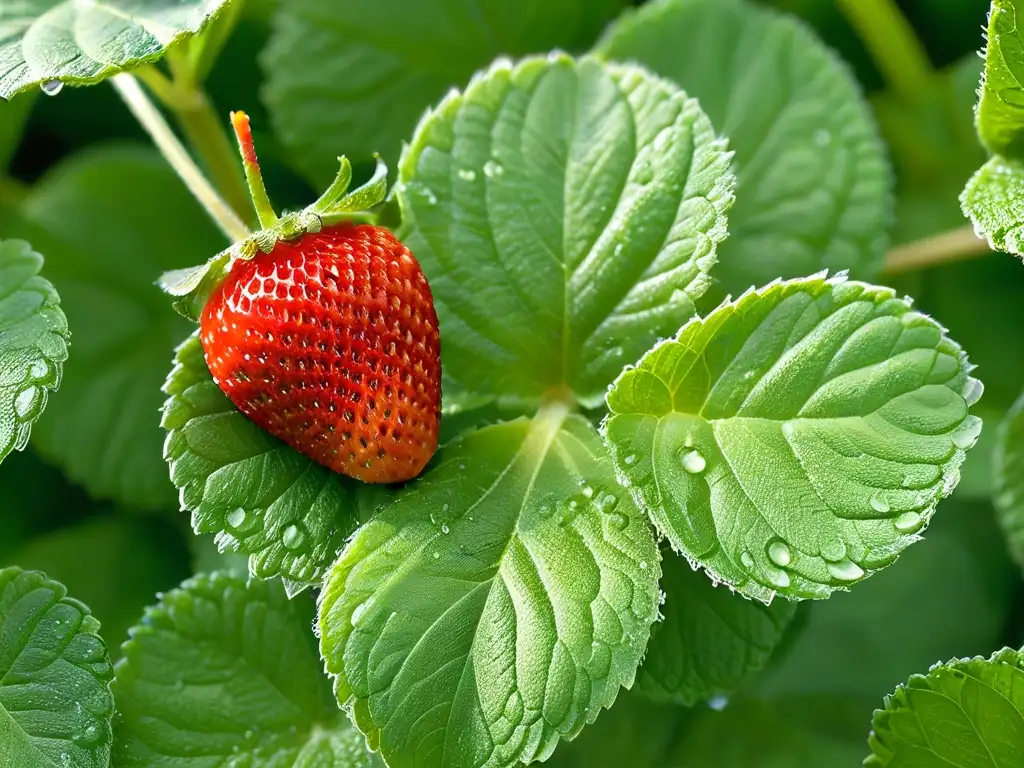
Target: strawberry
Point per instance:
(323, 332)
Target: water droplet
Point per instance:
(779, 553)
(236, 519)
(467, 174)
(87, 736)
(973, 391)
(24, 403)
(643, 565)
(879, 503)
(52, 87)
(822, 137)
(445, 529)
(40, 369)
(845, 570)
(718, 703)
(293, 537)
(908, 522)
(630, 460)
(693, 461)
(357, 613)
(588, 492)
(492, 169)
(747, 559)
(618, 521)
(967, 433)
(779, 578)
(437, 555)
(1012, 96)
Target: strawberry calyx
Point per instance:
(192, 286)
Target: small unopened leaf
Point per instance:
(566, 214)
(33, 342)
(50, 42)
(994, 201)
(1000, 115)
(353, 76)
(55, 702)
(1009, 479)
(497, 605)
(225, 672)
(966, 712)
(796, 439)
(710, 639)
(259, 496)
(814, 189)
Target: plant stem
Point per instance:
(172, 150)
(203, 130)
(253, 177)
(892, 42)
(956, 245)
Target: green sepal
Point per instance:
(192, 286)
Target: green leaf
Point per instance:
(354, 77)
(1009, 479)
(885, 630)
(55, 702)
(566, 213)
(798, 438)
(994, 202)
(813, 182)
(260, 496)
(114, 564)
(497, 605)
(33, 343)
(710, 639)
(68, 41)
(797, 732)
(966, 712)
(222, 672)
(110, 222)
(1000, 115)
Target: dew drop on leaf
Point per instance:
(630, 460)
(293, 537)
(780, 579)
(52, 87)
(493, 169)
(445, 529)
(24, 403)
(967, 435)
(879, 503)
(845, 570)
(779, 553)
(467, 174)
(236, 519)
(747, 559)
(973, 391)
(693, 461)
(908, 522)
(718, 703)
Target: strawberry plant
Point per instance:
(603, 387)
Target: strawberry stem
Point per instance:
(253, 177)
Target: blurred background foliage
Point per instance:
(957, 595)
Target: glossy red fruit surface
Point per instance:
(330, 343)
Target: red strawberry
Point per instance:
(330, 342)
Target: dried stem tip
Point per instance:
(257, 190)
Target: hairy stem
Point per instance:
(956, 245)
(204, 132)
(172, 150)
(253, 177)
(892, 43)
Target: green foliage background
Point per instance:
(89, 501)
